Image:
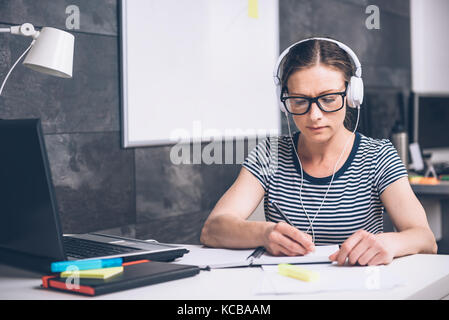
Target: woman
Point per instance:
(332, 183)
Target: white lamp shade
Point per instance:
(52, 53)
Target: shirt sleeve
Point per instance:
(389, 166)
(259, 162)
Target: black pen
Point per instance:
(281, 213)
(257, 253)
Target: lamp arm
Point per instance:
(26, 30)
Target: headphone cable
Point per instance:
(332, 179)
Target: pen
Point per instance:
(281, 213)
(257, 253)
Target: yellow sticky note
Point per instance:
(253, 10)
(296, 272)
(104, 273)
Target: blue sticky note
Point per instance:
(89, 264)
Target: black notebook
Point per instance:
(135, 274)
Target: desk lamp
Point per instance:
(50, 52)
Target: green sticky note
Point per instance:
(103, 273)
(299, 273)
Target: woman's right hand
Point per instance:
(283, 239)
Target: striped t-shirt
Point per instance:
(353, 201)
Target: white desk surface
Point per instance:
(426, 277)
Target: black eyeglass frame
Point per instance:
(312, 100)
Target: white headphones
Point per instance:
(354, 93)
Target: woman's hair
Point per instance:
(310, 53)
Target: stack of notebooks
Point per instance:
(95, 277)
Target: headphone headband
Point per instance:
(358, 66)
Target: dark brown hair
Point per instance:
(310, 53)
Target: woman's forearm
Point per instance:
(411, 241)
(232, 232)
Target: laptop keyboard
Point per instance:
(82, 249)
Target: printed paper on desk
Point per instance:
(332, 278)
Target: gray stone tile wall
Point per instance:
(139, 192)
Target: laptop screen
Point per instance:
(29, 221)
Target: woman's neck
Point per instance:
(328, 150)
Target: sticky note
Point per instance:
(423, 180)
(103, 273)
(87, 264)
(415, 179)
(253, 10)
(429, 180)
(296, 272)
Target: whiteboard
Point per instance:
(198, 70)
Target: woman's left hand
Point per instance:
(364, 248)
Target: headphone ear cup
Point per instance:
(355, 92)
(282, 107)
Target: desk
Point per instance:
(440, 190)
(239, 283)
(435, 199)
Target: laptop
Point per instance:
(30, 230)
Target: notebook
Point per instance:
(205, 257)
(135, 274)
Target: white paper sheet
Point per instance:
(332, 278)
(321, 254)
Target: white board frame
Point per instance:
(268, 111)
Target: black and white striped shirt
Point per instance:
(353, 201)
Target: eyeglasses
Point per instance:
(330, 102)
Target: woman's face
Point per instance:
(316, 125)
